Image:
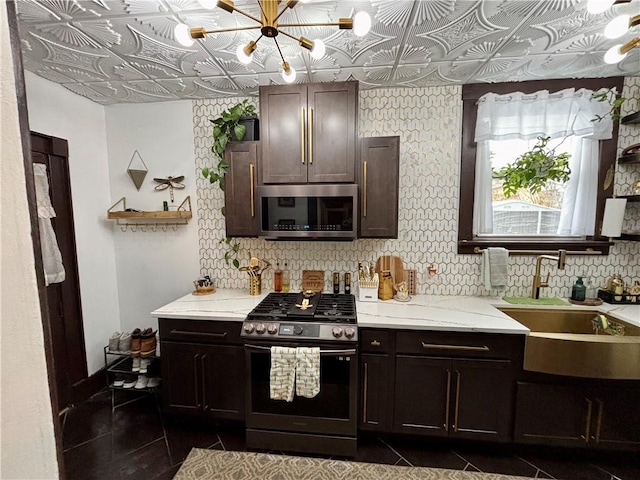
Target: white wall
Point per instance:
(153, 268)
(27, 435)
(55, 111)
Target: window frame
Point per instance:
(467, 243)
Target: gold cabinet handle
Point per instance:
(439, 346)
(310, 136)
(195, 379)
(364, 192)
(588, 422)
(599, 420)
(366, 391)
(455, 418)
(375, 343)
(251, 194)
(203, 376)
(302, 136)
(448, 403)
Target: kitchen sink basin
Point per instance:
(564, 342)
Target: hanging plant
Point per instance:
(233, 248)
(615, 102)
(533, 169)
(225, 129)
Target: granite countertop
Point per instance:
(422, 312)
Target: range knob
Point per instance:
(297, 329)
(349, 332)
(336, 332)
(260, 328)
(249, 327)
(272, 328)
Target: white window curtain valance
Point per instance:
(568, 113)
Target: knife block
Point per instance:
(368, 289)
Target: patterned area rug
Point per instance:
(215, 464)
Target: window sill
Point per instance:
(537, 247)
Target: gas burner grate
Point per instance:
(325, 308)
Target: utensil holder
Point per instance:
(368, 289)
(255, 284)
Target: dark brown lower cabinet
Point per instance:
(374, 385)
(578, 415)
(202, 374)
(462, 398)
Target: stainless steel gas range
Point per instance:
(326, 423)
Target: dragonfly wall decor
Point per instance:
(170, 183)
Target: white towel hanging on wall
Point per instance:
(51, 256)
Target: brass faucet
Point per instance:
(538, 283)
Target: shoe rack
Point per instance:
(118, 363)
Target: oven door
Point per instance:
(332, 411)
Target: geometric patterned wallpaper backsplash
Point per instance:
(428, 121)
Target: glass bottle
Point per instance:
(277, 278)
(591, 291)
(285, 278)
(578, 292)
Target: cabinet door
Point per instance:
(181, 382)
(379, 170)
(283, 126)
(616, 418)
(423, 395)
(241, 209)
(222, 376)
(331, 133)
(482, 407)
(375, 390)
(552, 415)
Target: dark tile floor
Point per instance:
(136, 441)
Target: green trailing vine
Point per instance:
(533, 169)
(233, 250)
(225, 127)
(615, 102)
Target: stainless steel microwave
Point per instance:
(307, 212)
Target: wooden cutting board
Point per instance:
(313, 280)
(394, 265)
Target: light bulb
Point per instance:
(617, 27)
(289, 77)
(613, 55)
(318, 49)
(242, 56)
(598, 6)
(361, 24)
(182, 35)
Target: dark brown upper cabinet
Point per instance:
(241, 207)
(309, 133)
(378, 169)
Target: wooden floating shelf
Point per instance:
(630, 198)
(153, 219)
(631, 158)
(634, 237)
(631, 118)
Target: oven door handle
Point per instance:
(322, 352)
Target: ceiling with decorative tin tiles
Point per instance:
(124, 51)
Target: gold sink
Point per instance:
(564, 342)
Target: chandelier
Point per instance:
(616, 28)
(269, 27)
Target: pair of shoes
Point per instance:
(146, 382)
(136, 340)
(120, 342)
(140, 364)
(153, 382)
(119, 380)
(148, 343)
(130, 381)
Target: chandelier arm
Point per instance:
(288, 35)
(200, 32)
(248, 15)
(342, 25)
(630, 45)
(278, 46)
(261, 9)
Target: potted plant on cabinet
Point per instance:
(230, 125)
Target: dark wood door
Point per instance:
(379, 165)
(65, 311)
(283, 126)
(331, 132)
(616, 418)
(182, 386)
(375, 409)
(552, 415)
(482, 406)
(422, 395)
(223, 377)
(241, 209)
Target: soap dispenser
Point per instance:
(578, 291)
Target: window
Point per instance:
(526, 222)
